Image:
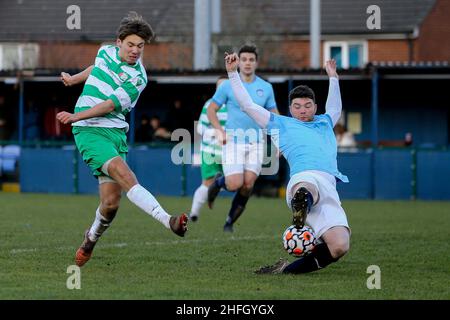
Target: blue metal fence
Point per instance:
(433, 175)
(357, 166)
(378, 174)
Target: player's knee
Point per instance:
(339, 248)
(233, 185)
(111, 203)
(248, 186)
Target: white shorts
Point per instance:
(327, 212)
(240, 157)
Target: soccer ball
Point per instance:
(299, 242)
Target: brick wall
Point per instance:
(434, 34)
(389, 50)
(290, 54)
(80, 55)
(296, 54)
(66, 55)
(168, 55)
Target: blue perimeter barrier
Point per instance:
(374, 174)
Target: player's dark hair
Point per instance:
(249, 48)
(301, 92)
(133, 23)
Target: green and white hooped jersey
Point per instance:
(206, 130)
(111, 79)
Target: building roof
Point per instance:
(41, 20)
(338, 17)
(47, 20)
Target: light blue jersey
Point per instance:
(306, 145)
(261, 93)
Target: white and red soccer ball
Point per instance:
(299, 242)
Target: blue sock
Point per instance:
(237, 207)
(318, 259)
(220, 182)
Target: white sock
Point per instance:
(147, 202)
(99, 226)
(200, 197)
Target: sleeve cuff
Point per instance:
(117, 106)
(216, 102)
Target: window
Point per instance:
(336, 54)
(348, 54)
(15, 56)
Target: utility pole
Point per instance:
(314, 34)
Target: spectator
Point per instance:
(31, 122)
(408, 139)
(54, 129)
(159, 133)
(344, 138)
(179, 117)
(145, 131)
(4, 120)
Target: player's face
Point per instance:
(303, 109)
(247, 63)
(131, 48)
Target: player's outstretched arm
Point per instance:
(81, 77)
(256, 112)
(333, 107)
(98, 110)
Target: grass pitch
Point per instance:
(137, 258)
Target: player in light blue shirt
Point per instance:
(308, 143)
(261, 93)
(243, 139)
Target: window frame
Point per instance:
(19, 47)
(345, 51)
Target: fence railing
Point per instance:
(381, 173)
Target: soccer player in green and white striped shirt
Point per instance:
(211, 151)
(112, 88)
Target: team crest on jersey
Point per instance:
(123, 76)
(260, 92)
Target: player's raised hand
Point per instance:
(231, 61)
(330, 67)
(66, 117)
(66, 79)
